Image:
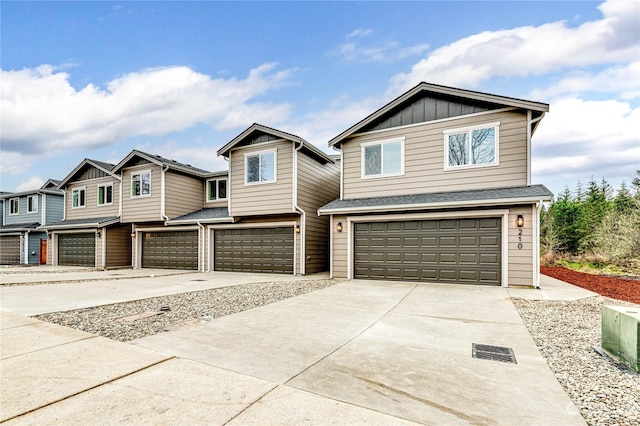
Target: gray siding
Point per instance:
(54, 208)
(118, 246)
(91, 208)
(2, 204)
(183, 194)
(23, 216)
(265, 198)
(146, 208)
(34, 246)
(318, 184)
(424, 160)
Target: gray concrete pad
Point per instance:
(288, 406)
(552, 289)
(9, 320)
(82, 275)
(40, 299)
(36, 337)
(175, 392)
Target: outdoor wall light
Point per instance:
(339, 227)
(133, 235)
(520, 221)
(297, 229)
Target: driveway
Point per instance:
(357, 352)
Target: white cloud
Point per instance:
(530, 50)
(387, 51)
(43, 113)
(33, 182)
(358, 33)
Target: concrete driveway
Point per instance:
(359, 352)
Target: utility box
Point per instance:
(621, 334)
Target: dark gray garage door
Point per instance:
(77, 249)
(254, 250)
(170, 250)
(463, 251)
(10, 250)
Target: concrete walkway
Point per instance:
(360, 352)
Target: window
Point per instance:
(141, 183)
(261, 167)
(475, 146)
(78, 198)
(383, 158)
(32, 204)
(105, 194)
(14, 206)
(216, 189)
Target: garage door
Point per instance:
(77, 249)
(10, 250)
(465, 251)
(170, 250)
(254, 250)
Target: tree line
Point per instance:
(595, 222)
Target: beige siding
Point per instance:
(424, 159)
(340, 247)
(118, 246)
(265, 198)
(92, 209)
(318, 184)
(145, 208)
(521, 260)
(183, 194)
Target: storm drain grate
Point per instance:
(493, 353)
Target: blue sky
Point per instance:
(181, 79)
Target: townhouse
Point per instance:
(21, 215)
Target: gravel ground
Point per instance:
(184, 309)
(566, 333)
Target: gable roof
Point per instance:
(470, 98)
(256, 130)
(50, 184)
(161, 161)
(106, 168)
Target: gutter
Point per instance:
(303, 216)
(201, 255)
(536, 245)
(26, 247)
(163, 216)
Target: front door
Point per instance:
(43, 251)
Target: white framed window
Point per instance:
(78, 198)
(475, 146)
(32, 204)
(105, 194)
(14, 206)
(260, 167)
(382, 158)
(141, 183)
(216, 189)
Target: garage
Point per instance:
(464, 251)
(9, 250)
(267, 250)
(77, 249)
(170, 250)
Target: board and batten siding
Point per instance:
(521, 259)
(118, 245)
(318, 184)
(143, 208)
(183, 194)
(263, 198)
(424, 159)
(91, 208)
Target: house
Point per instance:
(21, 240)
(262, 215)
(436, 186)
(90, 232)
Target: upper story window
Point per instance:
(32, 204)
(383, 158)
(260, 167)
(78, 197)
(473, 146)
(14, 206)
(141, 183)
(105, 194)
(216, 189)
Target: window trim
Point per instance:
(103, 185)
(141, 172)
(364, 145)
(260, 153)
(34, 203)
(79, 206)
(469, 129)
(15, 200)
(217, 180)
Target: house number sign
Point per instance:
(519, 239)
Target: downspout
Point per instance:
(536, 245)
(64, 204)
(530, 122)
(26, 247)
(120, 201)
(43, 210)
(201, 248)
(299, 210)
(162, 193)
